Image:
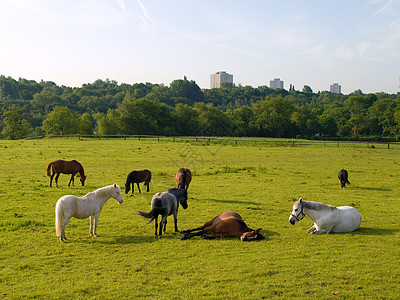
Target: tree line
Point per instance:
(30, 108)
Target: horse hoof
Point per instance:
(183, 238)
(160, 236)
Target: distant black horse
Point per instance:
(136, 177)
(343, 175)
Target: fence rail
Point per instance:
(232, 140)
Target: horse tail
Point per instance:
(150, 215)
(59, 217)
(48, 169)
(183, 180)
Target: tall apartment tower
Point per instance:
(336, 88)
(219, 77)
(276, 84)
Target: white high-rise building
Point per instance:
(219, 77)
(276, 84)
(336, 88)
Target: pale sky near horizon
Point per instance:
(303, 42)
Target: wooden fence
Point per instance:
(236, 141)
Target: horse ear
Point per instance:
(301, 200)
(115, 185)
(258, 230)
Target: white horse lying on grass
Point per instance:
(327, 218)
(89, 205)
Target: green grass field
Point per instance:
(259, 182)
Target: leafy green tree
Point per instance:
(85, 124)
(187, 89)
(242, 119)
(13, 125)
(213, 121)
(327, 125)
(186, 120)
(61, 121)
(273, 116)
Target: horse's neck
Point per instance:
(102, 195)
(81, 172)
(314, 214)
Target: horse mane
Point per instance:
(104, 190)
(317, 205)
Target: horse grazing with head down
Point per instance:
(89, 205)
(183, 177)
(343, 177)
(166, 204)
(66, 167)
(327, 218)
(227, 225)
(137, 177)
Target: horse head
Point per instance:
(82, 179)
(116, 193)
(183, 200)
(127, 187)
(252, 235)
(297, 212)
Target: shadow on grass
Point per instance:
(375, 231)
(367, 188)
(233, 201)
(131, 239)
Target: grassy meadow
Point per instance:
(260, 182)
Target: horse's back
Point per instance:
(349, 219)
(230, 214)
(164, 202)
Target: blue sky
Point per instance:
(303, 42)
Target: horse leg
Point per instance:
(207, 224)
(56, 179)
(190, 235)
(137, 183)
(176, 221)
(164, 221)
(312, 229)
(96, 218)
(72, 179)
(91, 225)
(63, 238)
(51, 178)
(148, 188)
(156, 227)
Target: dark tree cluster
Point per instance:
(29, 108)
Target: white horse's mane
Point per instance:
(104, 190)
(317, 205)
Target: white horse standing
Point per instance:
(326, 218)
(89, 205)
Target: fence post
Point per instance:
(388, 145)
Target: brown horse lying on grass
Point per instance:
(227, 225)
(183, 177)
(65, 167)
(136, 177)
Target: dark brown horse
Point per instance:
(66, 167)
(227, 225)
(343, 177)
(136, 177)
(183, 177)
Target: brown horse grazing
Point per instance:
(183, 177)
(227, 225)
(66, 167)
(136, 177)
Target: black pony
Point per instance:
(343, 175)
(136, 177)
